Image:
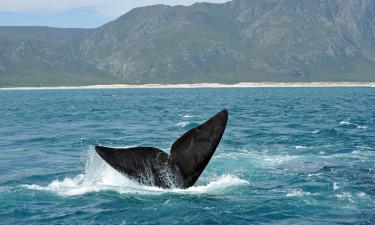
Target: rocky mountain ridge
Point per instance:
(241, 40)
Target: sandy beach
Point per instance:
(206, 85)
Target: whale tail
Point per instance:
(193, 150)
(188, 157)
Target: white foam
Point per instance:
(99, 176)
(275, 160)
(263, 158)
(3, 189)
(345, 122)
(297, 193)
(335, 186)
(300, 147)
(345, 195)
(361, 194)
(182, 124)
(220, 184)
(239, 154)
(187, 116)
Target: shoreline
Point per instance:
(203, 85)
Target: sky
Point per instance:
(73, 13)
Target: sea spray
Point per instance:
(99, 176)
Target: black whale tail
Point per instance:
(189, 155)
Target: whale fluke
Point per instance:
(145, 165)
(189, 155)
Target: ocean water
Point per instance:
(288, 156)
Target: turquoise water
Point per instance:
(288, 156)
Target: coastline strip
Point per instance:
(205, 85)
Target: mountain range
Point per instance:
(237, 41)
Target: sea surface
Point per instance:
(288, 156)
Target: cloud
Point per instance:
(43, 5)
(103, 7)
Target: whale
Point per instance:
(181, 168)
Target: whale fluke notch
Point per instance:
(188, 157)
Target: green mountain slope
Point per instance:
(242, 40)
(40, 56)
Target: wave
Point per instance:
(348, 123)
(187, 116)
(345, 122)
(298, 193)
(326, 131)
(99, 176)
(182, 124)
(258, 157)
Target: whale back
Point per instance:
(193, 150)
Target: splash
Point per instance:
(222, 183)
(99, 176)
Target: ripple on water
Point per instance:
(288, 156)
